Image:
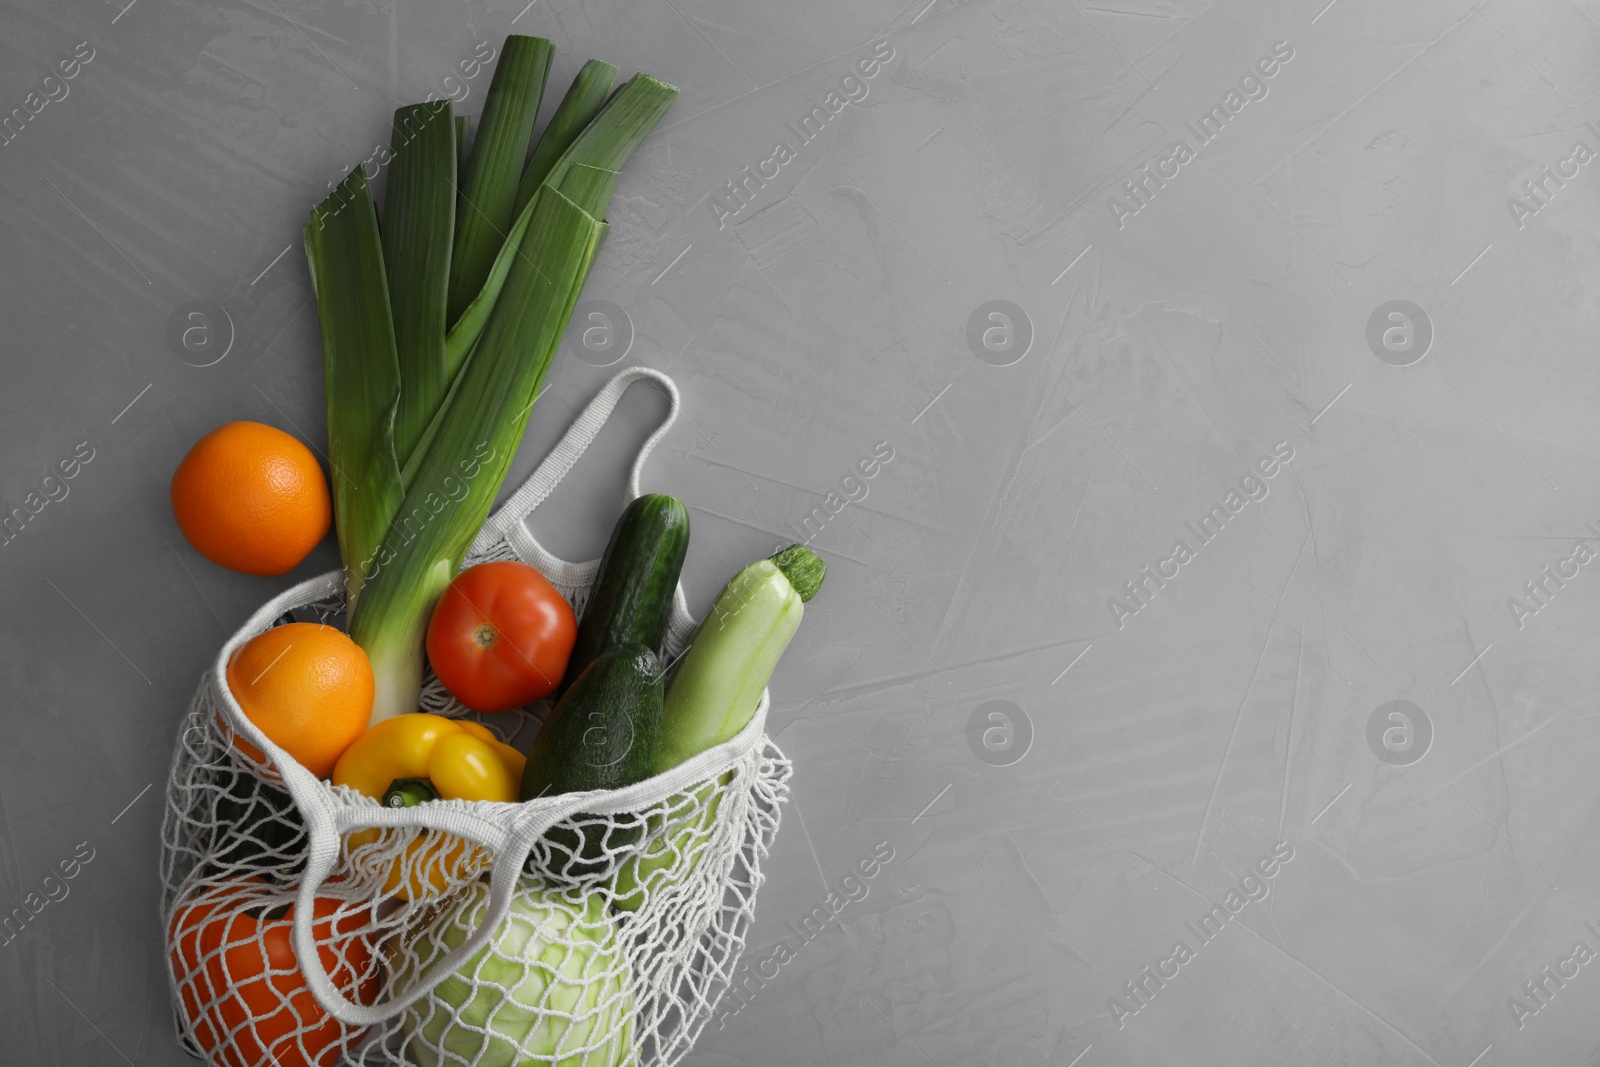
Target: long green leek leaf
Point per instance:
(466, 461)
(463, 129)
(408, 472)
(578, 108)
(489, 192)
(469, 327)
(625, 121)
(418, 224)
(361, 372)
(588, 186)
(606, 143)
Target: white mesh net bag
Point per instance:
(308, 924)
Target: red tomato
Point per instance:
(242, 989)
(500, 636)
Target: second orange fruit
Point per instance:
(251, 498)
(308, 687)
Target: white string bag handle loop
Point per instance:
(511, 846)
(566, 453)
(507, 523)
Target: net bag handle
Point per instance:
(567, 451)
(511, 846)
(503, 524)
(507, 523)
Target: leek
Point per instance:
(468, 457)
(418, 224)
(606, 143)
(577, 109)
(361, 372)
(489, 189)
(437, 336)
(625, 120)
(463, 130)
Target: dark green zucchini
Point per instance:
(604, 732)
(631, 601)
(257, 829)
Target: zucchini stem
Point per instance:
(804, 569)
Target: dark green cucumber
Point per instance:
(603, 734)
(631, 601)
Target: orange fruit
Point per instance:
(251, 498)
(308, 687)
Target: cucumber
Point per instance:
(631, 601)
(603, 734)
(718, 684)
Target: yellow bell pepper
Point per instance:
(463, 761)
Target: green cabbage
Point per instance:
(552, 983)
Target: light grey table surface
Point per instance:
(1170, 318)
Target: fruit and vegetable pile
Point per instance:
(438, 325)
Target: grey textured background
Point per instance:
(1171, 348)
